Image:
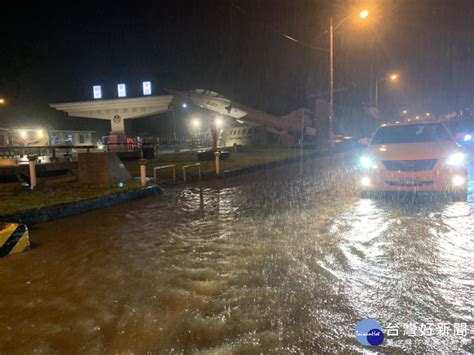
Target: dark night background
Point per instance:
(55, 53)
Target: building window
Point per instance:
(81, 139)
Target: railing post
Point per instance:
(198, 165)
(143, 172)
(32, 163)
(218, 163)
(156, 168)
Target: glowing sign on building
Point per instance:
(122, 90)
(97, 91)
(147, 88)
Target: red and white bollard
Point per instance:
(143, 171)
(32, 164)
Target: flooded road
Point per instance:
(274, 262)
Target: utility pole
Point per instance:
(331, 82)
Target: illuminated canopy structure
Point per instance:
(117, 110)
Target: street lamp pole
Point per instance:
(377, 93)
(363, 15)
(331, 82)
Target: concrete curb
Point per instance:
(72, 208)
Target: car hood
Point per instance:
(413, 151)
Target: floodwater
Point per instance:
(272, 262)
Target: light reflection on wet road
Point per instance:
(269, 262)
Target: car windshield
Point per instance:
(415, 133)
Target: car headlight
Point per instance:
(456, 159)
(367, 162)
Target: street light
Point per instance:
(363, 14)
(404, 112)
(2, 101)
(332, 27)
(195, 123)
(196, 132)
(219, 122)
(392, 77)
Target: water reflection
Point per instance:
(410, 262)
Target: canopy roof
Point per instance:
(126, 108)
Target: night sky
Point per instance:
(55, 53)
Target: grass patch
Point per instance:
(236, 160)
(23, 200)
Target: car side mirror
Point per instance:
(364, 141)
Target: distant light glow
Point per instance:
(467, 138)
(39, 133)
(97, 89)
(121, 184)
(393, 76)
(2, 101)
(365, 181)
(122, 90)
(458, 180)
(146, 87)
(23, 134)
(184, 105)
(196, 122)
(428, 114)
(219, 121)
(364, 14)
(404, 112)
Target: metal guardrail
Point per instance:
(44, 150)
(110, 147)
(156, 168)
(198, 165)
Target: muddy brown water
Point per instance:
(271, 262)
